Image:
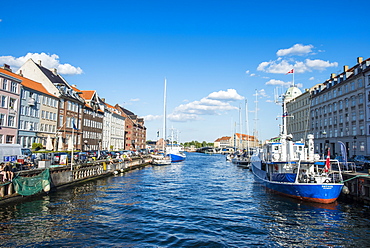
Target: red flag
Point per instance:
(291, 71)
(327, 163)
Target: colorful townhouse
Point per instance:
(10, 89)
(114, 128)
(37, 116)
(68, 132)
(135, 133)
(92, 120)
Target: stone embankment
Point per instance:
(64, 176)
(358, 185)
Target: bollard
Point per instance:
(2, 191)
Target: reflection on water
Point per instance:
(203, 202)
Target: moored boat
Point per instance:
(292, 169)
(160, 159)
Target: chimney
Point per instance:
(359, 60)
(6, 67)
(345, 68)
(54, 71)
(39, 62)
(20, 73)
(103, 99)
(333, 75)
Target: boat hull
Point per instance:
(177, 157)
(312, 192)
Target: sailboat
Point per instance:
(175, 151)
(163, 158)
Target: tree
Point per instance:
(36, 146)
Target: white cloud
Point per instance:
(278, 82)
(252, 75)
(215, 103)
(229, 95)
(297, 49)
(47, 60)
(152, 117)
(134, 100)
(318, 64)
(311, 78)
(283, 66)
(247, 71)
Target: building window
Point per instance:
(14, 87)
(352, 85)
(5, 84)
(359, 83)
(354, 130)
(2, 119)
(360, 98)
(12, 103)
(3, 101)
(11, 121)
(9, 139)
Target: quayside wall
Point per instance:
(64, 176)
(358, 185)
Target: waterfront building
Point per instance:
(338, 111)
(38, 115)
(135, 133)
(113, 128)
(222, 142)
(298, 111)
(70, 104)
(10, 88)
(92, 120)
(238, 141)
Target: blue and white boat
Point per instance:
(176, 152)
(292, 169)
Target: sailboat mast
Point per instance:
(164, 113)
(247, 124)
(255, 133)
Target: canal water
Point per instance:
(201, 202)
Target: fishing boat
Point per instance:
(292, 169)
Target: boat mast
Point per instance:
(164, 113)
(255, 132)
(247, 124)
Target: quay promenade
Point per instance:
(28, 183)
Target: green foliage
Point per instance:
(197, 144)
(36, 146)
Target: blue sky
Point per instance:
(214, 54)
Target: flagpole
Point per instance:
(293, 77)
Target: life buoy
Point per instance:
(327, 181)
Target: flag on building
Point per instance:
(291, 71)
(74, 125)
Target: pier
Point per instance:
(64, 176)
(358, 185)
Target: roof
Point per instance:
(55, 79)
(28, 83)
